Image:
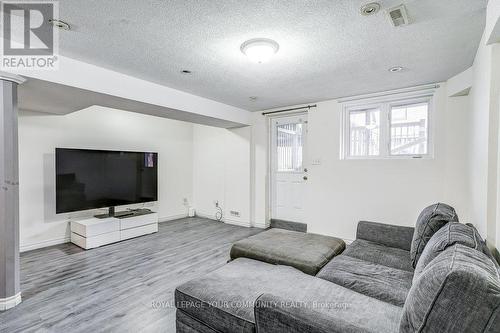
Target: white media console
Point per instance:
(93, 232)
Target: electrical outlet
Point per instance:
(316, 161)
(235, 213)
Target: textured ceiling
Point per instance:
(327, 49)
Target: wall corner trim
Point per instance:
(42, 244)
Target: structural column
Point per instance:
(10, 293)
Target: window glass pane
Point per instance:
(289, 147)
(364, 132)
(409, 127)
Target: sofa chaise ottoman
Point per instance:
(224, 300)
(304, 251)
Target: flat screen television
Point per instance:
(89, 179)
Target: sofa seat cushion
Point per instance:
(430, 220)
(384, 283)
(458, 291)
(224, 299)
(306, 252)
(379, 254)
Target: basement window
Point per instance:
(389, 129)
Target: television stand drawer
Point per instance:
(139, 231)
(138, 221)
(93, 227)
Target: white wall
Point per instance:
(483, 119)
(95, 128)
(342, 192)
(479, 119)
(221, 171)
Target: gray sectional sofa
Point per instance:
(436, 277)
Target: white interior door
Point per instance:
(288, 167)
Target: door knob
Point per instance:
(305, 177)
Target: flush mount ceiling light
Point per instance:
(60, 24)
(396, 69)
(259, 50)
(370, 8)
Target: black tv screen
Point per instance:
(87, 179)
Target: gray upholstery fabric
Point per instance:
(386, 234)
(381, 282)
(306, 252)
(430, 220)
(224, 299)
(452, 233)
(458, 291)
(379, 254)
(483, 247)
(274, 314)
(186, 324)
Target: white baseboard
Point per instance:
(172, 217)
(347, 241)
(225, 220)
(236, 222)
(261, 225)
(45, 243)
(10, 302)
(205, 215)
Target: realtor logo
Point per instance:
(30, 40)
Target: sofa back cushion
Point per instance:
(451, 234)
(458, 291)
(430, 220)
(483, 247)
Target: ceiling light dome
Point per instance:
(259, 50)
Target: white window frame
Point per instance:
(385, 106)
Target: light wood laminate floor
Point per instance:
(122, 287)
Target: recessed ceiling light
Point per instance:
(396, 69)
(186, 72)
(60, 24)
(370, 8)
(259, 50)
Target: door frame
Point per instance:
(270, 160)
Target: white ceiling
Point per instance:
(327, 49)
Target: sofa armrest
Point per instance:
(274, 314)
(386, 234)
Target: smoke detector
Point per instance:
(396, 69)
(370, 8)
(60, 24)
(398, 16)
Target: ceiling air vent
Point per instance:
(398, 16)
